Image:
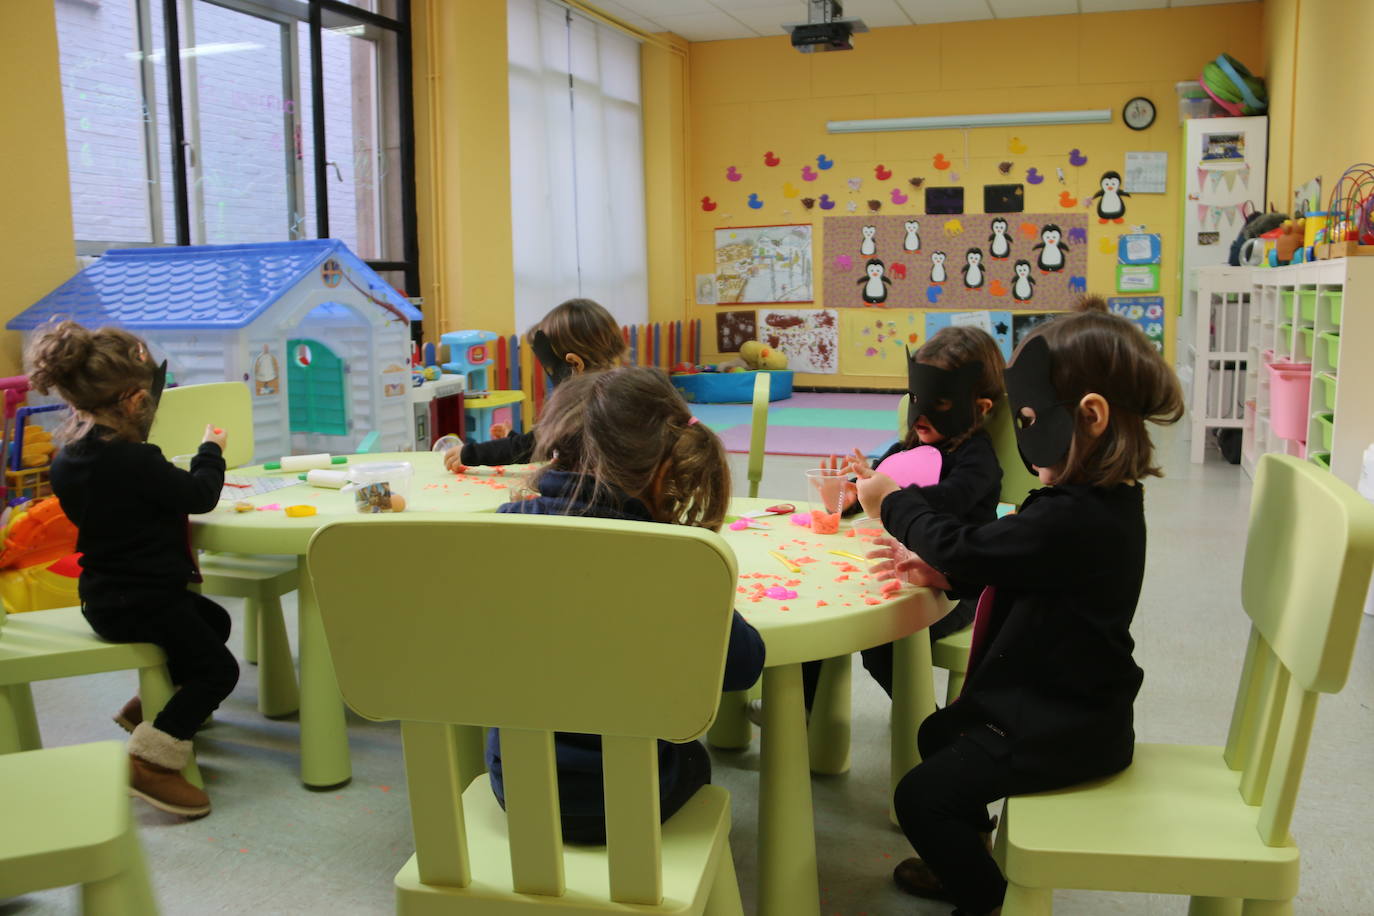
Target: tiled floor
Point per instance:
(272, 847)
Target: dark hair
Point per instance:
(1095, 352)
(585, 328)
(617, 429)
(952, 347)
(93, 371)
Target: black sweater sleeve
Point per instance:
(193, 492)
(517, 448)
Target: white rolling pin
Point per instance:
(334, 480)
(305, 462)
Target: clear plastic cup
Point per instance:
(446, 442)
(826, 487)
(182, 461)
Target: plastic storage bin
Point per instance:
(1320, 459)
(1334, 298)
(1333, 346)
(1325, 422)
(1286, 297)
(1307, 304)
(1305, 336)
(1193, 102)
(1328, 382)
(1290, 385)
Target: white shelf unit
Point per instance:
(1352, 418)
(1220, 303)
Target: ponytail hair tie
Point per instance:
(692, 422)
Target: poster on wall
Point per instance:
(763, 264)
(1145, 311)
(809, 337)
(733, 329)
(875, 343)
(1021, 325)
(1022, 261)
(997, 324)
(266, 373)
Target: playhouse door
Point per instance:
(318, 389)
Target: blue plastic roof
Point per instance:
(199, 287)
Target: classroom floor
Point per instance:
(271, 847)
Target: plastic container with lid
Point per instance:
(395, 474)
(1290, 385)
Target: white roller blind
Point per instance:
(577, 164)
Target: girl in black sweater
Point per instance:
(129, 505)
(1047, 702)
(577, 336)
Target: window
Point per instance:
(577, 163)
(285, 135)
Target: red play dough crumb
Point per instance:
(844, 578)
(891, 585)
(800, 560)
(822, 604)
(499, 470)
(850, 533)
(784, 608)
(791, 582)
(872, 601)
(460, 469)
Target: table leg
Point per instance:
(18, 722)
(788, 882)
(324, 735)
(828, 729)
(913, 698)
(731, 731)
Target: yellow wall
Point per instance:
(36, 249)
(756, 95)
(1319, 81)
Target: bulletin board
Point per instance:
(1022, 261)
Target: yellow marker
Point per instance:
(299, 511)
(792, 567)
(852, 556)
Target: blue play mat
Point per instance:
(731, 387)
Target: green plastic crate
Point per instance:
(1320, 459)
(1306, 335)
(1307, 304)
(1333, 346)
(1328, 389)
(1335, 298)
(1325, 422)
(1286, 303)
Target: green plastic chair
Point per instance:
(57, 643)
(758, 431)
(1213, 822)
(598, 643)
(67, 821)
(259, 581)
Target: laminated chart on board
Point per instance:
(809, 337)
(1018, 261)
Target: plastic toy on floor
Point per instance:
(39, 566)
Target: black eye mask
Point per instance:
(1045, 441)
(159, 382)
(929, 385)
(556, 366)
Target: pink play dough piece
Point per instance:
(919, 466)
(802, 519)
(739, 524)
(777, 591)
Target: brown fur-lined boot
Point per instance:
(915, 877)
(130, 715)
(155, 762)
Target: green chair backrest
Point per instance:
(622, 634)
(183, 412)
(1308, 557)
(763, 386)
(1017, 482)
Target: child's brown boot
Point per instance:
(130, 715)
(155, 762)
(915, 877)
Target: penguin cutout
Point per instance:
(973, 269)
(1000, 247)
(912, 242)
(1109, 203)
(1023, 287)
(868, 247)
(937, 268)
(874, 282)
(1051, 257)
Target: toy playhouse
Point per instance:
(321, 339)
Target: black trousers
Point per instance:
(695, 772)
(192, 630)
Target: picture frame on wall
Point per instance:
(763, 265)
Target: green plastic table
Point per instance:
(837, 610)
(324, 738)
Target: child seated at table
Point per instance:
(623, 444)
(129, 504)
(1051, 681)
(577, 336)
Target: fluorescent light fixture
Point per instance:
(954, 122)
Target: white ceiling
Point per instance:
(714, 20)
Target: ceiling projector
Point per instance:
(826, 29)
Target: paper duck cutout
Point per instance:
(918, 467)
(1028, 231)
(875, 205)
(881, 173)
(808, 202)
(754, 202)
(733, 174)
(852, 206)
(809, 174)
(1004, 167)
(790, 190)
(915, 182)
(1066, 199)
(823, 163)
(898, 197)
(1014, 145)
(996, 288)
(770, 160)
(1077, 158)
(855, 184)
(708, 204)
(940, 162)
(843, 261)
(826, 202)
(933, 294)
(1033, 176)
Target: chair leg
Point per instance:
(724, 899)
(155, 689)
(18, 721)
(731, 731)
(128, 892)
(472, 759)
(1213, 906)
(954, 687)
(278, 694)
(828, 729)
(1267, 908)
(250, 630)
(1028, 901)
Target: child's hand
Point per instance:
(499, 430)
(216, 435)
(900, 563)
(850, 494)
(453, 460)
(858, 464)
(873, 489)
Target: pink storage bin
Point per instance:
(1290, 386)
